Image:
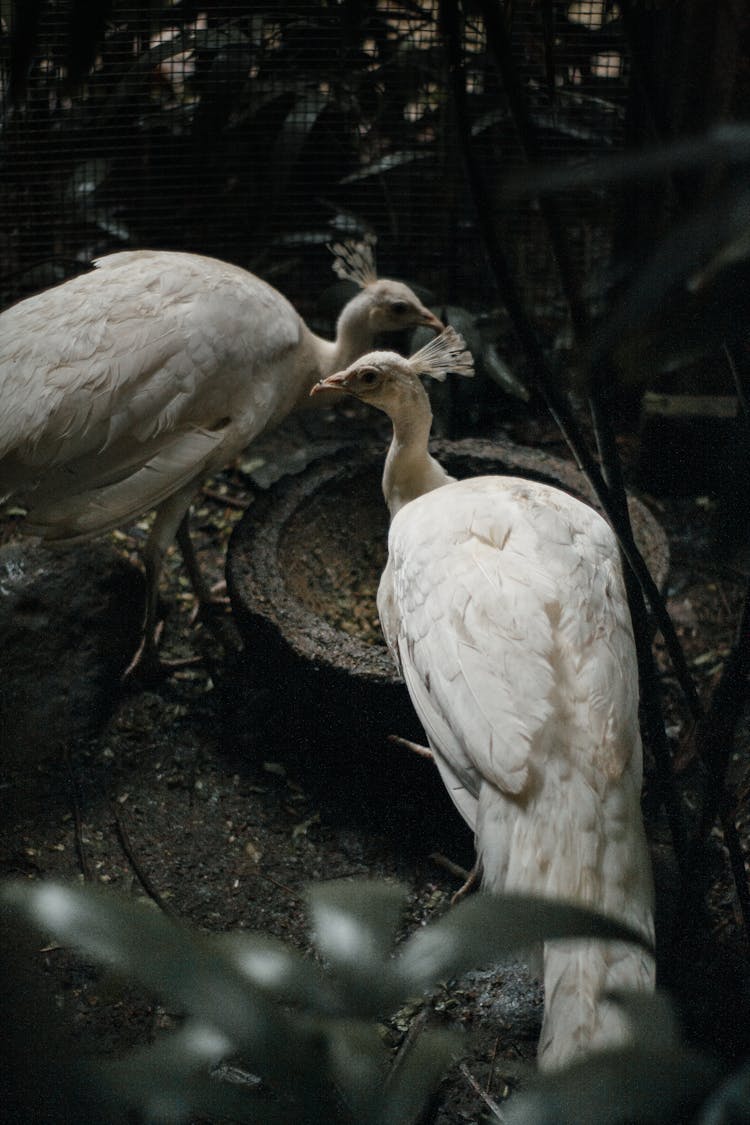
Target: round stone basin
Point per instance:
(304, 563)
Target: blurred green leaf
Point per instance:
(169, 1081)
(357, 1066)
(177, 963)
(305, 1028)
(485, 928)
(44, 1079)
(730, 1103)
(689, 263)
(354, 925)
(725, 144)
(636, 1086)
(414, 1079)
(355, 920)
(279, 971)
(651, 1018)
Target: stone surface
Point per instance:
(70, 622)
(303, 567)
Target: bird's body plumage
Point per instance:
(155, 364)
(503, 604)
(123, 388)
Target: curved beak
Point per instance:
(336, 382)
(429, 320)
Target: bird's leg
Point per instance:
(146, 663)
(207, 602)
(192, 566)
(470, 878)
(469, 884)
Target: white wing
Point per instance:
(495, 582)
(148, 360)
(508, 609)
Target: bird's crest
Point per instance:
(355, 261)
(443, 355)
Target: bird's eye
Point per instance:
(368, 377)
(399, 307)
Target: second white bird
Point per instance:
(503, 605)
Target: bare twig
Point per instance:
(143, 879)
(225, 499)
(408, 1043)
(281, 886)
(738, 380)
(407, 744)
(77, 819)
(715, 741)
(541, 372)
(650, 690)
(491, 1104)
(451, 867)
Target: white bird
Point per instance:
(121, 389)
(504, 607)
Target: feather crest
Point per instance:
(443, 355)
(355, 261)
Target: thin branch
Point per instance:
(225, 499)
(409, 1042)
(449, 866)
(604, 433)
(491, 1104)
(715, 741)
(738, 371)
(543, 377)
(407, 744)
(77, 819)
(141, 875)
(651, 699)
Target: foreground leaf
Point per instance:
(176, 963)
(486, 928)
(626, 1087)
(730, 1104)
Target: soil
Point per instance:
(216, 794)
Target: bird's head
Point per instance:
(388, 306)
(393, 307)
(382, 379)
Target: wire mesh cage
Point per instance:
(255, 131)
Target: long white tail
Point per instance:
(566, 842)
(576, 1016)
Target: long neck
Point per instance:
(410, 471)
(354, 332)
(319, 357)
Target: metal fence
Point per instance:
(254, 131)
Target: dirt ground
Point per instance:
(215, 796)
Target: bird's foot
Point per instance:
(470, 878)
(207, 609)
(213, 613)
(469, 884)
(145, 661)
(423, 751)
(148, 667)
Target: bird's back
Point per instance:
(103, 373)
(503, 584)
(510, 619)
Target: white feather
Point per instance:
(122, 388)
(504, 605)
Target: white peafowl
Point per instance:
(503, 605)
(123, 388)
